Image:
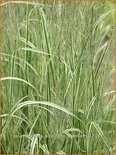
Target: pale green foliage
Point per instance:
(57, 78)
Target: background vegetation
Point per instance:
(58, 78)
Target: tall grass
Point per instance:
(58, 78)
